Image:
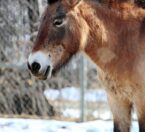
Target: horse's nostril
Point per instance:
(35, 67)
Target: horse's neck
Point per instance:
(100, 22)
(111, 37)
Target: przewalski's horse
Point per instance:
(114, 42)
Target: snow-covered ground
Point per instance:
(70, 94)
(29, 125)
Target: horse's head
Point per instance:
(60, 36)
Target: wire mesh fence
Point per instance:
(23, 95)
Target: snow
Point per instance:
(75, 113)
(105, 115)
(71, 113)
(33, 125)
(73, 94)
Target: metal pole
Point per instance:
(83, 85)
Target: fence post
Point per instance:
(83, 85)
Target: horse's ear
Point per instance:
(72, 3)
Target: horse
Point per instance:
(114, 42)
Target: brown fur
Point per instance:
(118, 4)
(125, 7)
(115, 41)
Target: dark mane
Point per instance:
(50, 2)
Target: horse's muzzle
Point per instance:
(35, 67)
(40, 66)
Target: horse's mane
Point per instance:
(125, 8)
(112, 3)
(109, 3)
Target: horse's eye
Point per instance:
(58, 22)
